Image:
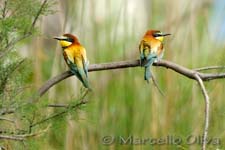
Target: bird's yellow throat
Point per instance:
(64, 43)
(160, 38)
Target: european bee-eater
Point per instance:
(75, 56)
(151, 49)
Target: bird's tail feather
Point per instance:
(150, 60)
(83, 78)
(147, 73)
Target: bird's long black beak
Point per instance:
(165, 34)
(59, 38)
(56, 38)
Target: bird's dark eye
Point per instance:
(69, 40)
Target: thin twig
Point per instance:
(38, 14)
(59, 105)
(82, 102)
(7, 137)
(10, 45)
(209, 68)
(7, 111)
(8, 74)
(207, 106)
(156, 85)
(23, 136)
(6, 119)
(4, 11)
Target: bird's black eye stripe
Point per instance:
(69, 39)
(157, 34)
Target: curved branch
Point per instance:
(133, 63)
(93, 67)
(207, 104)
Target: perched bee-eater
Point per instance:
(75, 56)
(151, 49)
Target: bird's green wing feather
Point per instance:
(74, 70)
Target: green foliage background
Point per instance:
(122, 103)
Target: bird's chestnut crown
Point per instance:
(156, 34)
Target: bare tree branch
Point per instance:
(133, 63)
(207, 106)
